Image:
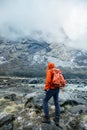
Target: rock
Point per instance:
(43, 126)
(78, 109)
(6, 122)
(82, 126)
(1, 86)
(38, 103)
(38, 106)
(30, 95)
(31, 103)
(51, 127)
(29, 99)
(28, 105)
(69, 102)
(32, 114)
(28, 102)
(33, 81)
(12, 97)
(73, 124)
(29, 117)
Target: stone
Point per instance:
(78, 109)
(12, 97)
(6, 118)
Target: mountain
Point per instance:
(29, 57)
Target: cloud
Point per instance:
(47, 19)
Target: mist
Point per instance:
(51, 20)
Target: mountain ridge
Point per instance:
(29, 57)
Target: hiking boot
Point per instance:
(56, 120)
(46, 120)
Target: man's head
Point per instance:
(50, 65)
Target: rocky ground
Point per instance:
(21, 105)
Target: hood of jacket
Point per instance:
(50, 65)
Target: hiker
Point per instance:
(50, 91)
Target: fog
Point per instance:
(51, 20)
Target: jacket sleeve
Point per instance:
(48, 80)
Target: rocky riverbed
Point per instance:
(21, 105)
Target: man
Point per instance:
(50, 91)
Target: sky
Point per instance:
(51, 20)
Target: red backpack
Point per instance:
(57, 78)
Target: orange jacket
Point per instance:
(49, 76)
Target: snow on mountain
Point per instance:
(2, 60)
(26, 55)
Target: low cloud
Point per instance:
(52, 20)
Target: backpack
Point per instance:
(57, 78)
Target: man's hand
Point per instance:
(62, 89)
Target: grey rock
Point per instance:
(69, 102)
(78, 109)
(12, 97)
(6, 119)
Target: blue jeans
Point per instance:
(55, 94)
